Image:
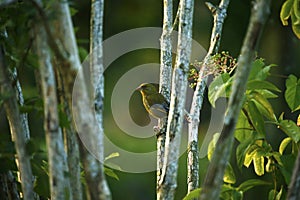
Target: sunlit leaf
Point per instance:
(255, 117)
(250, 155)
(270, 165)
(263, 105)
(290, 128)
(112, 155)
(211, 146)
(292, 92)
(285, 12)
(259, 164)
(229, 176)
(284, 144)
(195, 194)
(241, 151)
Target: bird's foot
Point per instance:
(156, 130)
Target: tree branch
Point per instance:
(59, 183)
(164, 87)
(219, 14)
(17, 130)
(96, 183)
(177, 104)
(214, 179)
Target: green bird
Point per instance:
(154, 102)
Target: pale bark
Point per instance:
(177, 104)
(62, 40)
(17, 130)
(96, 182)
(214, 178)
(164, 86)
(219, 14)
(59, 181)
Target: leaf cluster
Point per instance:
(253, 147)
(291, 9)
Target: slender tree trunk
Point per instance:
(214, 179)
(219, 14)
(164, 86)
(177, 104)
(95, 177)
(17, 130)
(59, 182)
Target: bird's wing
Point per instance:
(158, 111)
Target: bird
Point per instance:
(154, 102)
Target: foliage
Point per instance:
(254, 149)
(220, 63)
(251, 133)
(291, 9)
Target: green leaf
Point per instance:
(261, 85)
(267, 94)
(287, 166)
(290, 128)
(259, 164)
(241, 151)
(263, 105)
(255, 117)
(195, 194)
(229, 176)
(285, 12)
(274, 195)
(211, 146)
(112, 155)
(296, 9)
(243, 130)
(256, 69)
(229, 192)
(270, 165)
(295, 19)
(219, 88)
(247, 185)
(284, 144)
(111, 173)
(250, 155)
(292, 93)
